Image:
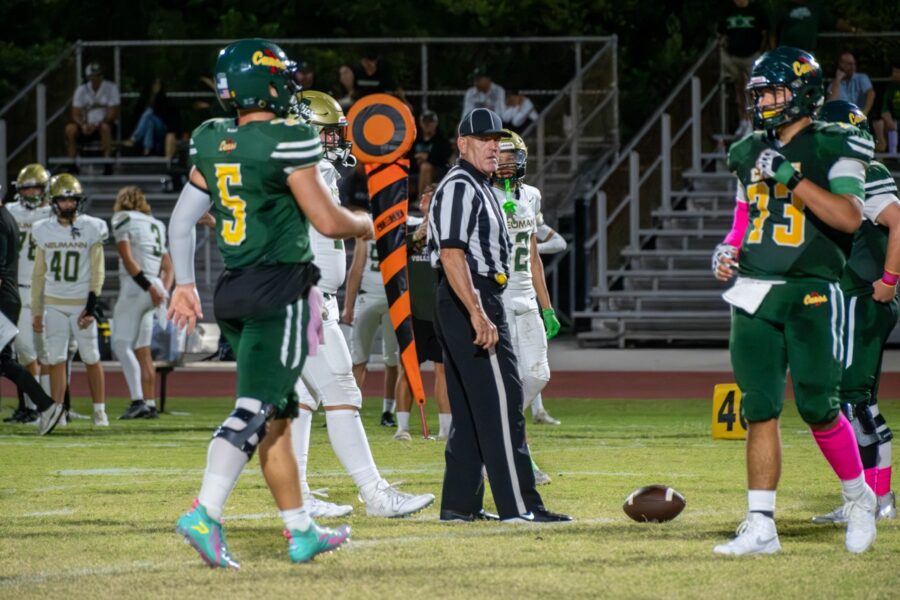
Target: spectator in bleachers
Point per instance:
(306, 77)
(430, 152)
(95, 109)
(157, 125)
(850, 85)
(797, 23)
(371, 76)
(519, 112)
(484, 93)
(743, 29)
(886, 128)
(345, 90)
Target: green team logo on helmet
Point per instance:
(33, 176)
(65, 186)
(780, 71)
(513, 142)
(325, 114)
(255, 74)
(841, 111)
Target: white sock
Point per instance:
(45, 383)
(402, 421)
(445, 420)
(295, 518)
(855, 488)
(387, 405)
(224, 464)
(300, 432)
(761, 501)
(151, 403)
(29, 404)
(537, 405)
(348, 439)
(100, 407)
(131, 368)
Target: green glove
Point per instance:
(551, 323)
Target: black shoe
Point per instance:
(387, 419)
(542, 515)
(481, 515)
(17, 416)
(152, 413)
(29, 417)
(138, 409)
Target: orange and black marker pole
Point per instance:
(383, 130)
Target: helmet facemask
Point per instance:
(776, 114)
(31, 201)
(69, 214)
(335, 143)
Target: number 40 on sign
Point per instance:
(727, 421)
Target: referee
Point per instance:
(470, 246)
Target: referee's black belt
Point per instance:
(24, 286)
(328, 295)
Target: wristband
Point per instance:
(795, 179)
(141, 280)
(91, 306)
(890, 279)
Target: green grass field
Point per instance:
(91, 513)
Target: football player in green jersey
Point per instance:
(257, 173)
(803, 183)
(870, 291)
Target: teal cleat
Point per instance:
(207, 537)
(303, 546)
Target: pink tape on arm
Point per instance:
(739, 226)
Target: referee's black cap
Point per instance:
(481, 121)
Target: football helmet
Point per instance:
(512, 142)
(790, 69)
(65, 187)
(325, 114)
(841, 111)
(255, 74)
(32, 176)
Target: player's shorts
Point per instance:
(734, 67)
(28, 344)
(327, 378)
(133, 314)
(869, 324)
(61, 328)
(369, 313)
(428, 347)
(527, 334)
(798, 325)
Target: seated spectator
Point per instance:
(850, 85)
(306, 77)
(371, 77)
(886, 128)
(519, 112)
(484, 93)
(345, 90)
(95, 109)
(430, 153)
(157, 125)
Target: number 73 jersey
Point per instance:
(67, 254)
(785, 240)
(521, 225)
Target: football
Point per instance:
(654, 504)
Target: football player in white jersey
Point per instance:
(327, 377)
(366, 309)
(29, 208)
(530, 317)
(145, 276)
(67, 279)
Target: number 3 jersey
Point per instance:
(521, 225)
(25, 220)
(246, 169)
(147, 237)
(784, 239)
(67, 255)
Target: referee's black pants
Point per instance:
(486, 402)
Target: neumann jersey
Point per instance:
(784, 240)
(866, 262)
(329, 254)
(67, 254)
(147, 237)
(26, 218)
(522, 224)
(246, 169)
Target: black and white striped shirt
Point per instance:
(465, 214)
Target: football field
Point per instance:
(90, 513)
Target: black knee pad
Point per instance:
(870, 426)
(255, 425)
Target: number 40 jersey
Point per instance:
(67, 254)
(147, 236)
(521, 225)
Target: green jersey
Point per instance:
(246, 168)
(866, 262)
(784, 240)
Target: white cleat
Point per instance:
(50, 418)
(402, 435)
(835, 516)
(861, 521)
(756, 535)
(541, 478)
(99, 419)
(323, 509)
(542, 417)
(887, 506)
(384, 500)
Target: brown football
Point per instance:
(654, 504)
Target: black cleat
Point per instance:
(482, 515)
(152, 413)
(138, 409)
(17, 416)
(542, 515)
(387, 419)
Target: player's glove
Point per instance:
(720, 261)
(551, 323)
(773, 165)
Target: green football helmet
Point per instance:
(787, 69)
(255, 74)
(325, 114)
(841, 111)
(65, 186)
(32, 176)
(513, 142)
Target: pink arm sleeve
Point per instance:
(739, 226)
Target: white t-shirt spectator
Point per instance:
(494, 99)
(94, 103)
(519, 116)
